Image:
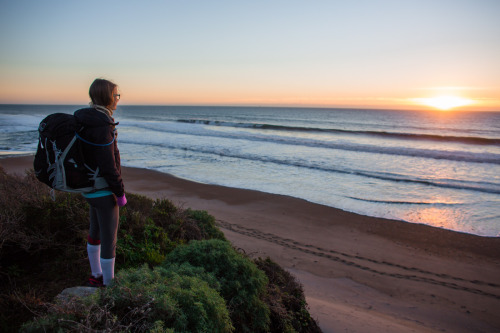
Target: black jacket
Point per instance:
(99, 129)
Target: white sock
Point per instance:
(108, 270)
(94, 252)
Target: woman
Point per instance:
(101, 153)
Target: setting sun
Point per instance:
(444, 102)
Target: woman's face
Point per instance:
(116, 98)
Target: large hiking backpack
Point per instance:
(59, 161)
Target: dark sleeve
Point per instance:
(108, 161)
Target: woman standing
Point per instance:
(103, 156)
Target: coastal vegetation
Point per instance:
(176, 272)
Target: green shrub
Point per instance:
(143, 300)
(73, 315)
(151, 229)
(182, 302)
(186, 269)
(39, 237)
(31, 222)
(286, 300)
(242, 284)
(206, 223)
(146, 246)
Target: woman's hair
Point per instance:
(101, 92)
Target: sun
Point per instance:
(444, 102)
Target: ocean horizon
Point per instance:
(436, 168)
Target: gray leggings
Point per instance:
(104, 215)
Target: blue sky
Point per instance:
(323, 53)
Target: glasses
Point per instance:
(117, 96)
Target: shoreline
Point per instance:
(359, 273)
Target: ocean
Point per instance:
(432, 167)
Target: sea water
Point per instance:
(435, 168)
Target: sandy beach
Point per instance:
(360, 274)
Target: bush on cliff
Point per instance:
(143, 300)
(286, 300)
(42, 252)
(42, 241)
(242, 284)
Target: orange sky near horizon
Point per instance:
(136, 94)
(385, 54)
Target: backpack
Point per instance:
(59, 160)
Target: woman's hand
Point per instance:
(121, 201)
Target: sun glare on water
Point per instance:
(444, 102)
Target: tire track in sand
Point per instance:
(371, 265)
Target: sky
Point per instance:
(397, 54)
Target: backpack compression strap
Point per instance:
(94, 144)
